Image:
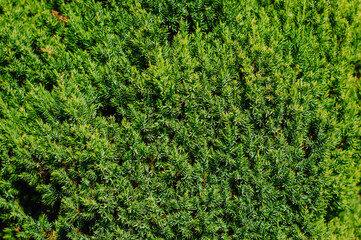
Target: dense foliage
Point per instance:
(168, 119)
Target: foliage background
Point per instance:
(180, 119)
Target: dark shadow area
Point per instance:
(332, 211)
(136, 56)
(30, 201)
(3, 225)
(107, 110)
(357, 72)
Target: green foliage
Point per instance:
(180, 119)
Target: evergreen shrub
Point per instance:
(168, 119)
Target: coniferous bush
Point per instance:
(171, 119)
